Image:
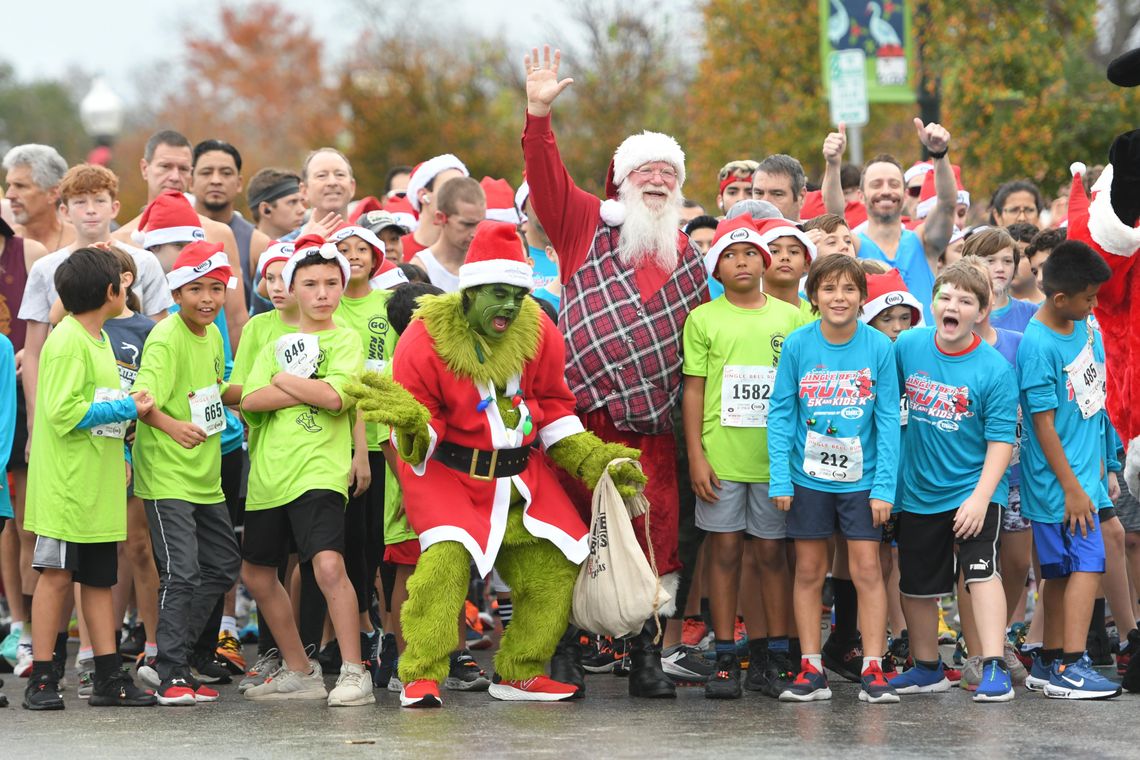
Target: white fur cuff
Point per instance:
(1105, 227)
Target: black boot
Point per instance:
(566, 664)
(646, 678)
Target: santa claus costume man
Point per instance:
(630, 279)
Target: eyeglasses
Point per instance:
(646, 174)
(1021, 211)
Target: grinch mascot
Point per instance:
(1107, 221)
(479, 406)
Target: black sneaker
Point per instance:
(724, 683)
(386, 661)
(1099, 648)
(330, 658)
(621, 654)
(465, 674)
(120, 691)
(42, 693)
(757, 678)
(207, 669)
(779, 673)
(686, 665)
(845, 658)
(133, 642)
(601, 654)
(899, 651)
(370, 653)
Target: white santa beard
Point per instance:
(649, 235)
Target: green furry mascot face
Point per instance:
(492, 309)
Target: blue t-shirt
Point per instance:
(1014, 316)
(1045, 385)
(958, 405)
(545, 270)
(7, 415)
(1006, 345)
(848, 390)
(910, 260)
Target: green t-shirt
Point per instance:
(303, 448)
(259, 331)
(805, 311)
(77, 488)
(177, 364)
(736, 350)
(368, 317)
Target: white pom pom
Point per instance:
(138, 236)
(1076, 168)
(613, 212)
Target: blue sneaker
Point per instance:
(809, 686)
(920, 680)
(996, 685)
(8, 647)
(876, 688)
(1079, 680)
(1038, 677)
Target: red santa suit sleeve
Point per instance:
(553, 396)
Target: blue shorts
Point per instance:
(1062, 553)
(821, 514)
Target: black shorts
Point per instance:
(928, 564)
(1106, 513)
(90, 564)
(315, 521)
(232, 465)
(16, 459)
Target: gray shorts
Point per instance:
(1128, 510)
(742, 507)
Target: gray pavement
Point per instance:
(606, 724)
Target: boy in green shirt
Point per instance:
(77, 439)
(178, 459)
(732, 346)
(295, 395)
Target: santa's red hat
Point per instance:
(363, 206)
(500, 200)
(404, 213)
(424, 173)
(929, 197)
(388, 276)
(887, 290)
(168, 219)
(496, 256)
(634, 152)
(740, 229)
(770, 229)
(314, 245)
(201, 259)
(346, 231)
(275, 251)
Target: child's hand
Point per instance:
(880, 512)
(128, 464)
(1079, 511)
(705, 481)
(360, 474)
(970, 517)
(144, 402)
(782, 503)
(1113, 486)
(186, 434)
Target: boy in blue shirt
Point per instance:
(833, 445)
(955, 463)
(1060, 371)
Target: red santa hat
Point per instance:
(887, 290)
(739, 229)
(406, 215)
(500, 200)
(496, 256)
(346, 231)
(917, 170)
(521, 197)
(929, 197)
(427, 171)
(388, 276)
(201, 259)
(634, 152)
(168, 219)
(275, 251)
(363, 206)
(314, 245)
(770, 229)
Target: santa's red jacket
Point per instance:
(444, 504)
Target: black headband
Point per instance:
(273, 192)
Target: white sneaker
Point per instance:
(353, 687)
(289, 684)
(266, 665)
(23, 666)
(394, 685)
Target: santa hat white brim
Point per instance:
(509, 215)
(429, 170)
(878, 305)
(744, 235)
(923, 209)
(774, 233)
(328, 252)
(180, 276)
(496, 271)
(172, 235)
(645, 148)
(388, 280)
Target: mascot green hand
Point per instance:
(585, 456)
(382, 400)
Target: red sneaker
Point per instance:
(693, 631)
(541, 688)
(205, 694)
(176, 691)
(953, 675)
(421, 693)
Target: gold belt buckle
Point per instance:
(475, 465)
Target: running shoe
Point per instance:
(540, 688)
(465, 674)
(120, 691)
(971, 674)
(809, 686)
(946, 634)
(1127, 651)
(228, 653)
(147, 671)
(329, 657)
(386, 661)
(685, 664)
(86, 678)
(265, 666)
(207, 669)
(353, 687)
(421, 693)
(42, 693)
(176, 692)
(693, 632)
(8, 647)
(1039, 674)
(724, 683)
(778, 672)
(23, 666)
(844, 658)
(607, 654)
(1098, 649)
(477, 637)
(740, 636)
(1013, 665)
(875, 687)
(920, 680)
(1078, 680)
(133, 642)
(898, 649)
(394, 684)
(996, 685)
(953, 675)
(288, 684)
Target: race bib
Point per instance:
(745, 393)
(1016, 459)
(904, 411)
(111, 429)
(374, 365)
(830, 458)
(1087, 379)
(206, 410)
(298, 354)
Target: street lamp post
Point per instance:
(101, 112)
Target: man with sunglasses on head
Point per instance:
(734, 181)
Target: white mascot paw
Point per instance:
(1132, 467)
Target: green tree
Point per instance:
(41, 111)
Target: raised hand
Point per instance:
(542, 83)
(834, 145)
(934, 136)
(324, 226)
